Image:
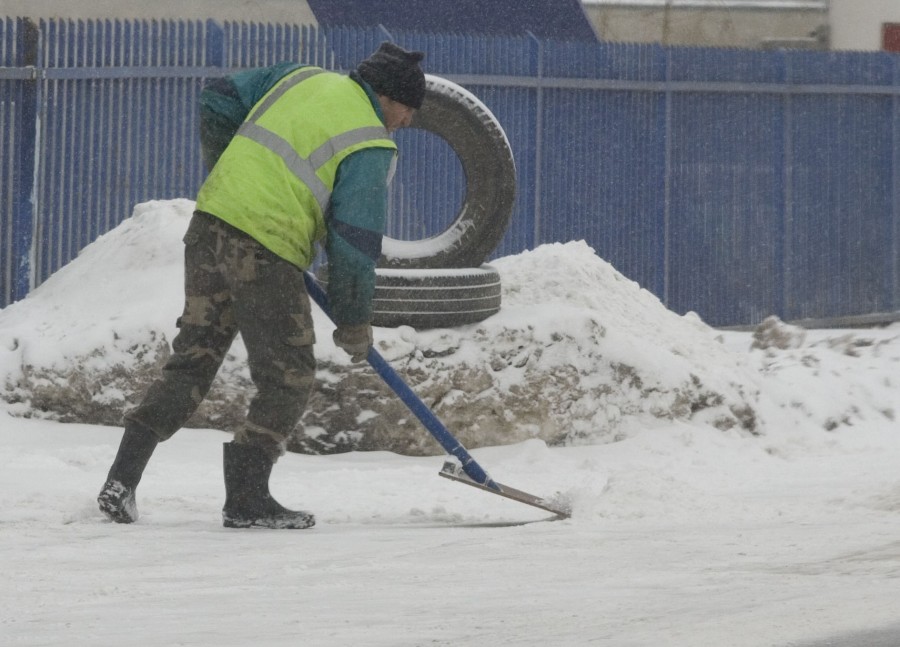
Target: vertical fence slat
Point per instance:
(895, 174)
(25, 202)
(7, 143)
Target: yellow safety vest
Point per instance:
(274, 181)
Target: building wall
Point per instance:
(856, 24)
(709, 26)
(272, 11)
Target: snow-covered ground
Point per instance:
(685, 532)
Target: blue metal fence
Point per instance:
(733, 183)
(18, 102)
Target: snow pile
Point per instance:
(578, 354)
(85, 345)
(827, 379)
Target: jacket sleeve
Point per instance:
(355, 224)
(226, 101)
(231, 97)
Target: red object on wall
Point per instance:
(890, 37)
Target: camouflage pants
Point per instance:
(233, 284)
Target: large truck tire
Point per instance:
(432, 298)
(465, 123)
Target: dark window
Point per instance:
(890, 36)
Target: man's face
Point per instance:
(396, 114)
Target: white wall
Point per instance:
(856, 24)
(701, 25)
(274, 11)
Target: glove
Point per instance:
(356, 340)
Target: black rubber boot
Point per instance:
(248, 503)
(116, 499)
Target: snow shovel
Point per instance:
(468, 471)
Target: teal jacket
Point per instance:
(355, 218)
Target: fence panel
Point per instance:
(725, 186)
(842, 242)
(734, 183)
(603, 177)
(117, 127)
(603, 160)
(724, 197)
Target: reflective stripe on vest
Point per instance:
(279, 91)
(305, 168)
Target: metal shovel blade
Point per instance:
(560, 508)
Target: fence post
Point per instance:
(24, 173)
(538, 138)
(782, 178)
(666, 216)
(787, 214)
(895, 187)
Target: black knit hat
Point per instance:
(395, 73)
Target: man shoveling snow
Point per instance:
(270, 196)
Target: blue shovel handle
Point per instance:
(435, 427)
